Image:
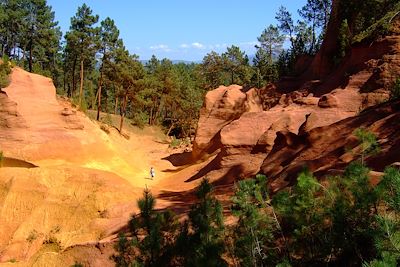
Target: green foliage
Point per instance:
(211, 70)
(140, 119)
(316, 13)
(175, 142)
(387, 260)
(344, 38)
(270, 45)
(342, 221)
(306, 36)
(152, 235)
(389, 188)
(368, 143)
(231, 67)
(126, 251)
(236, 63)
(303, 219)
(271, 41)
(387, 239)
(154, 239)
(334, 224)
(253, 233)
(200, 242)
(29, 34)
(109, 47)
(5, 71)
(375, 25)
(82, 41)
(395, 92)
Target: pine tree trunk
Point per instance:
(73, 78)
(123, 113)
(30, 59)
(151, 116)
(99, 96)
(94, 100)
(81, 87)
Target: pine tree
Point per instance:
(152, 236)
(201, 240)
(235, 63)
(316, 12)
(82, 44)
(254, 232)
(286, 25)
(42, 35)
(212, 70)
(271, 42)
(109, 44)
(368, 143)
(129, 74)
(29, 33)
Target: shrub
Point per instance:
(32, 236)
(5, 70)
(395, 92)
(140, 119)
(175, 142)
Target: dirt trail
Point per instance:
(87, 181)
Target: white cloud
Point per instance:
(198, 45)
(160, 47)
(253, 43)
(184, 46)
(221, 45)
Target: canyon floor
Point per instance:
(68, 183)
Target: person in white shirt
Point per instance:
(152, 173)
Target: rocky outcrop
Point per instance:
(221, 106)
(9, 116)
(244, 136)
(324, 94)
(334, 146)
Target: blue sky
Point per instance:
(182, 30)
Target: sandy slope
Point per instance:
(87, 181)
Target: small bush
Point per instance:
(5, 70)
(395, 92)
(75, 103)
(52, 241)
(140, 119)
(107, 119)
(32, 236)
(175, 142)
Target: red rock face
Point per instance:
(326, 149)
(221, 106)
(297, 112)
(243, 134)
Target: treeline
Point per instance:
(29, 35)
(271, 60)
(92, 66)
(345, 220)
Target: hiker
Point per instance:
(152, 173)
